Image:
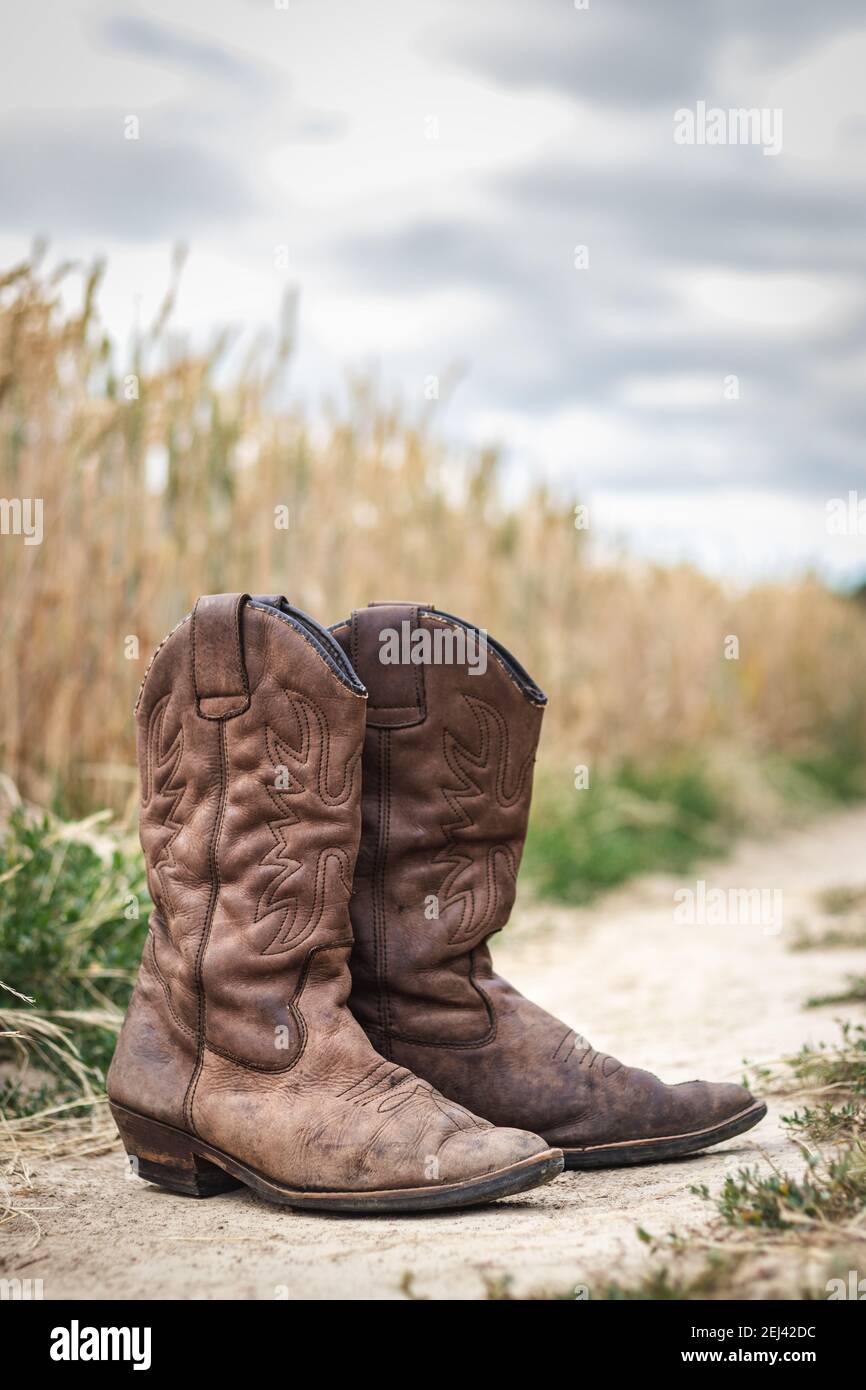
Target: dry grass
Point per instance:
(35, 1041)
(838, 922)
(72, 914)
(80, 1128)
(632, 656)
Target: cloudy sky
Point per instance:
(430, 169)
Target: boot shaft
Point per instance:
(452, 728)
(250, 727)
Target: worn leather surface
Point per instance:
(249, 739)
(447, 782)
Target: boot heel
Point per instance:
(162, 1155)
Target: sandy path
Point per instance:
(685, 1001)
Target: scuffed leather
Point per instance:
(445, 805)
(239, 1030)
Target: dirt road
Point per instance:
(684, 1000)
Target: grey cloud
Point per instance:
(85, 177)
(629, 53)
(146, 39)
(711, 212)
(558, 342)
(259, 92)
(636, 222)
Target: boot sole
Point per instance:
(673, 1146)
(180, 1162)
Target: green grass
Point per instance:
(854, 993)
(661, 1283)
(712, 1278)
(842, 900)
(73, 911)
(834, 1075)
(837, 769)
(668, 817)
(845, 906)
(830, 1191)
(629, 822)
(828, 1123)
(849, 937)
(838, 1066)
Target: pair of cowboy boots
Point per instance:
(330, 841)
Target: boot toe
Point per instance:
(470, 1153)
(634, 1107)
(702, 1104)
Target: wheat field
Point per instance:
(163, 477)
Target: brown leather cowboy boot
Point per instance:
(447, 779)
(239, 1061)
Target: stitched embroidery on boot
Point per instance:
(162, 794)
(479, 886)
(302, 890)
